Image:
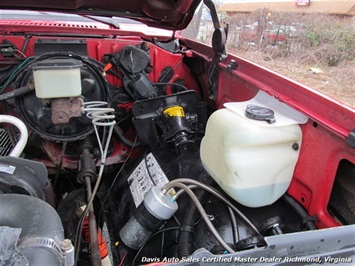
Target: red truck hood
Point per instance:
(166, 14)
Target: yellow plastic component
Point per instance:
(174, 111)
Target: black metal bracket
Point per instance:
(219, 40)
(351, 139)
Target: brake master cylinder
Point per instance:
(58, 83)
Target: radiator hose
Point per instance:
(42, 230)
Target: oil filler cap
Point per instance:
(260, 113)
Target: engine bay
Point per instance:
(146, 156)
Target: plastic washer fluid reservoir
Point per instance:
(251, 149)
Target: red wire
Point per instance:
(21, 53)
(102, 244)
(122, 260)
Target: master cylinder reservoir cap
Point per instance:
(57, 78)
(260, 113)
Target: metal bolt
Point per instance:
(128, 50)
(145, 46)
(46, 103)
(210, 217)
(148, 69)
(66, 245)
(106, 59)
(68, 252)
(295, 146)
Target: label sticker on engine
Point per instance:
(142, 178)
(9, 169)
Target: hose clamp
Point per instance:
(63, 248)
(45, 242)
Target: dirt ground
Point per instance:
(337, 82)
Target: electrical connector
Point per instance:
(7, 49)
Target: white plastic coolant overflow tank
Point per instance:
(251, 149)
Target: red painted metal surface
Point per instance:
(321, 153)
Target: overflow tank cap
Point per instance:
(260, 113)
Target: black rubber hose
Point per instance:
(38, 221)
(307, 221)
(120, 135)
(16, 92)
(186, 234)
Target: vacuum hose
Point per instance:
(42, 230)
